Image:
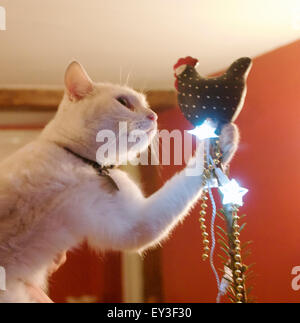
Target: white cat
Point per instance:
(51, 200)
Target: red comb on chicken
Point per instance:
(184, 61)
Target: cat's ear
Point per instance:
(77, 82)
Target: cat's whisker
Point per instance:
(144, 88)
(120, 82)
(127, 78)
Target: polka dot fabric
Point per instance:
(219, 98)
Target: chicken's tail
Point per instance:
(240, 67)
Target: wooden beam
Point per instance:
(161, 100)
(44, 99)
(30, 99)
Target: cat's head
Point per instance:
(90, 114)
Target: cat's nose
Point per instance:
(152, 116)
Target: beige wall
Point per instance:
(12, 136)
(142, 38)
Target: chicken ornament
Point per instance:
(209, 104)
(217, 98)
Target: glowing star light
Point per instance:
(233, 193)
(206, 130)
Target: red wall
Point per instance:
(267, 164)
(88, 276)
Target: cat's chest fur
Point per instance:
(43, 189)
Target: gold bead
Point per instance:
(239, 288)
(204, 198)
(203, 227)
(239, 280)
(206, 248)
(237, 249)
(237, 265)
(236, 234)
(218, 154)
(235, 217)
(236, 226)
(237, 242)
(237, 257)
(201, 219)
(202, 212)
(237, 272)
(204, 205)
(204, 234)
(204, 256)
(205, 241)
(239, 302)
(239, 296)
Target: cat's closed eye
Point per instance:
(125, 102)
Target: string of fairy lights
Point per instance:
(232, 198)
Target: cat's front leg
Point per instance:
(164, 209)
(127, 220)
(135, 222)
(169, 205)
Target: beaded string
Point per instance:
(212, 226)
(204, 198)
(238, 279)
(238, 274)
(203, 226)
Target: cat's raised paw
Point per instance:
(229, 140)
